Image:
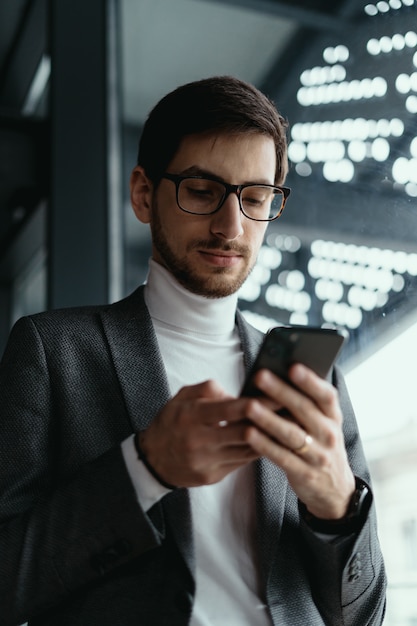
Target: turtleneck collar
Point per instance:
(173, 305)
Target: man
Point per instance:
(136, 486)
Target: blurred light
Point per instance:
(342, 91)
(302, 302)
(400, 261)
(296, 131)
(386, 44)
(400, 170)
(313, 268)
(402, 83)
(282, 298)
(329, 290)
(412, 170)
(297, 151)
(260, 275)
(384, 127)
(337, 73)
(396, 127)
(410, 38)
(415, 59)
(303, 97)
(380, 149)
(387, 259)
(305, 78)
(342, 53)
(367, 88)
(303, 169)
(342, 314)
(380, 86)
(357, 151)
(412, 264)
(329, 55)
(38, 86)
(411, 190)
(287, 243)
(365, 299)
(346, 170)
(373, 47)
(384, 7)
(295, 280)
(269, 257)
(413, 147)
(398, 42)
(382, 299)
(411, 104)
(398, 284)
(300, 319)
(322, 75)
(330, 172)
(291, 243)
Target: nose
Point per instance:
(226, 223)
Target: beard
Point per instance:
(219, 283)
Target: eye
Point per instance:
(200, 187)
(256, 196)
(199, 195)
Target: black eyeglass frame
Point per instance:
(237, 189)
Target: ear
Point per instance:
(141, 192)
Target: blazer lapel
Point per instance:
(270, 481)
(137, 359)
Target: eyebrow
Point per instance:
(195, 170)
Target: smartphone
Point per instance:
(317, 348)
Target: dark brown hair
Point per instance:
(217, 105)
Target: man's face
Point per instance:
(212, 255)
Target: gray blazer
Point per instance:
(75, 547)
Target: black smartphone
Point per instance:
(317, 348)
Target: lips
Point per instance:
(221, 258)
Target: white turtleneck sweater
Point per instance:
(199, 341)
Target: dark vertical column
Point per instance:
(81, 207)
(4, 315)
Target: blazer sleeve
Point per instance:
(347, 574)
(59, 530)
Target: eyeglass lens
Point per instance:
(203, 196)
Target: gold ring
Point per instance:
(308, 440)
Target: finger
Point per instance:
(321, 391)
(294, 401)
(273, 450)
(220, 414)
(286, 432)
(308, 411)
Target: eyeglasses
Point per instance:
(203, 195)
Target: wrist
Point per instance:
(351, 522)
(137, 440)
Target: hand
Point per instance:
(319, 473)
(198, 437)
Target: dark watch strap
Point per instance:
(142, 457)
(352, 522)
